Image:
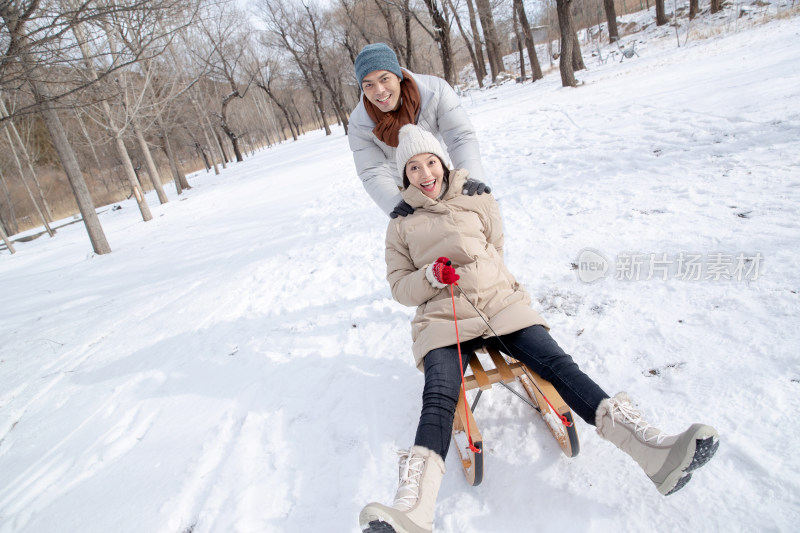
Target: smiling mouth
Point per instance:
(428, 185)
(384, 101)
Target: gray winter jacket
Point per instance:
(440, 113)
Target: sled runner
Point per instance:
(507, 370)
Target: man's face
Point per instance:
(382, 88)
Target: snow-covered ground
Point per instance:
(238, 365)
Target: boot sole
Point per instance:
(378, 526)
(377, 518)
(699, 452)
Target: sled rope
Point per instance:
(472, 446)
(564, 419)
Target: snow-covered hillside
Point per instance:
(237, 364)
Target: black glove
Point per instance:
(472, 187)
(402, 210)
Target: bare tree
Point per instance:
(469, 44)
(441, 34)
(39, 203)
(115, 124)
(158, 86)
(405, 12)
(519, 10)
(568, 41)
(694, 8)
(384, 8)
(493, 47)
(611, 17)
(5, 238)
(227, 36)
(287, 27)
(186, 74)
(28, 48)
(353, 20)
(332, 85)
(11, 222)
(265, 77)
(661, 14)
(577, 56)
(473, 22)
(519, 40)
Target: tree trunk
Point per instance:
(529, 44)
(577, 56)
(11, 221)
(283, 109)
(469, 44)
(661, 14)
(136, 187)
(5, 239)
(177, 176)
(218, 144)
(520, 51)
(70, 165)
(210, 145)
(228, 131)
(204, 125)
(113, 131)
(296, 119)
(480, 72)
(493, 47)
(611, 17)
(47, 215)
(319, 101)
(716, 5)
(567, 37)
(441, 32)
(694, 7)
(386, 13)
(64, 150)
(336, 96)
(267, 118)
(155, 177)
(24, 181)
(407, 30)
(222, 147)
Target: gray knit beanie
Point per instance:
(414, 141)
(377, 56)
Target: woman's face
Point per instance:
(425, 172)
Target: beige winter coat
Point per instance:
(468, 230)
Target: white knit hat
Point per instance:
(414, 141)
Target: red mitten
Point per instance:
(441, 273)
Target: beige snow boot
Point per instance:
(668, 460)
(421, 472)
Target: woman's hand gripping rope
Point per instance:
(441, 273)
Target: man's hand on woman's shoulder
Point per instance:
(473, 187)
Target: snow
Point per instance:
(237, 364)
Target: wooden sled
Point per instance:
(506, 370)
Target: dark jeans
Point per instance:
(533, 346)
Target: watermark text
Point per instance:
(592, 265)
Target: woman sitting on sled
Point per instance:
(453, 237)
